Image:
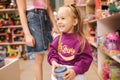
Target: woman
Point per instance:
(35, 22)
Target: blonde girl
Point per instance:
(70, 49)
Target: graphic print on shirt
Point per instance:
(65, 52)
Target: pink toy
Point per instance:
(105, 72)
(112, 41)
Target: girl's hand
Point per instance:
(54, 65)
(30, 41)
(69, 74)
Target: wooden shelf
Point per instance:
(111, 17)
(92, 21)
(14, 26)
(2, 34)
(105, 26)
(8, 10)
(18, 35)
(113, 56)
(116, 59)
(92, 42)
(13, 43)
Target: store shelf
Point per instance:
(22, 34)
(116, 59)
(11, 31)
(93, 44)
(8, 10)
(111, 17)
(2, 34)
(113, 56)
(14, 26)
(13, 43)
(91, 40)
(105, 26)
(92, 21)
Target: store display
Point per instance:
(106, 25)
(108, 47)
(91, 25)
(11, 32)
(111, 70)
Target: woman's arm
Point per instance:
(52, 18)
(22, 12)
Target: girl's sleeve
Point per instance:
(52, 53)
(85, 60)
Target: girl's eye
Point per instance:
(57, 18)
(60, 18)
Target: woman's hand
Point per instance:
(55, 32)
(54, 65)
(30, 41)
(55, 29)
(69, 74)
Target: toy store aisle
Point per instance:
(27, 72)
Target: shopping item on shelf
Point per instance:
(112, 41)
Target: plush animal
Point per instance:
(11, 51)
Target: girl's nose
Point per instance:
(58, 21)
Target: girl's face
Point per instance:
(65, 20)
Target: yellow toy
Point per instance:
(11, 51)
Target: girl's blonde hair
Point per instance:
(79, 26)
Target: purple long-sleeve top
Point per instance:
(69, 54)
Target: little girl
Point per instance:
(70, 49)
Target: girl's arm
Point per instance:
(52, 53)
(85, 59)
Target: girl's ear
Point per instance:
(75, 21)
